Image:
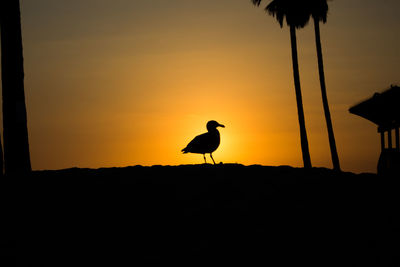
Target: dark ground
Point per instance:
(276, 216)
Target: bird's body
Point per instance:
(205, 143)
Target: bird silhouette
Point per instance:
(205, 143)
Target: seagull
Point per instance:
(205, 143)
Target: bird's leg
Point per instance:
(204, 155)
(212, 158)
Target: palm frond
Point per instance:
(256, 2)
(319, 9)
(277, 10)
(295, 12)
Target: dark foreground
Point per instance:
(224, 214)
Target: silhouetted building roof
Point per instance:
(382, 109)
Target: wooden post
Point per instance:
(382, 140)
(397, 139)
(390, 139)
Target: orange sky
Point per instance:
(118, 83)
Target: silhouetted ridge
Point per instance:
(190, 214)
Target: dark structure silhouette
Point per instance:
(16, 145)
(383, 109)
(297, 16)
(205, 143)
(319, 12)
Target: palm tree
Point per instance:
(15, 130)
(319, 12)
(297, 17)
(1, 159)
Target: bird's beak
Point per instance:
(220, 125)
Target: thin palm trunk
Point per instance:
(15, 131)
(331, 136)
(1, 159)
(299, 100)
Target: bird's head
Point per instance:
(212, 125)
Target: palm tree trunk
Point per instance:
(300, 111)
(15, 130)
(1, 160)
(331, 136)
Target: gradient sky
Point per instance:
(127, 82)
